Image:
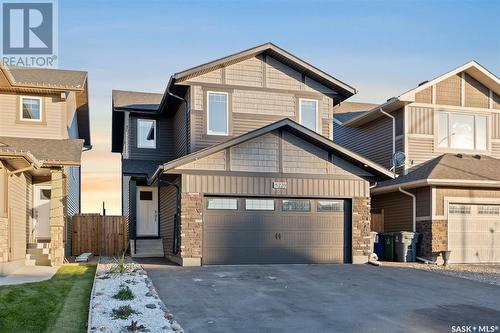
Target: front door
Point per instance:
(42, 211)
(147, 211)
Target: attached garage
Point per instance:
(281, 194)
(276, 230)
(474, 233)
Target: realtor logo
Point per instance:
(29, 33)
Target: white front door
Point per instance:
(147, 211)
(474, 233)
(41, 202)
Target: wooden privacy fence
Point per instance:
(99, 235)
(377, 220)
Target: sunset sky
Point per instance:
(380, 48)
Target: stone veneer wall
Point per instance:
(4, 240)
(360, 229)
(57, 217)
(433, 237)
(191, 225)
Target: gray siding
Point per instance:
(73, 202)
(179, 132)
(125, 195)
(164, 144)
(257, 155)
(167, 213)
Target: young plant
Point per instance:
(120, 267)
(133, 327)
(123, 312)
(124, 294)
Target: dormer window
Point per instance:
(217, 113)
(462, 131)
(146, 133)
(31, 109)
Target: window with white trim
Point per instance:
(217, 113)
(31, 108)
(308, 114)
(259, 204)
(146, 133)
(462, 131)
(222, 203)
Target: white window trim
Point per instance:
(455, 150)
(21, 117)
(209, 132)
(137, 133)
(317, 112)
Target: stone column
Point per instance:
(191, 228)
(57, 217)
(360, 230)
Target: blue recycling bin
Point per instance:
(379, 246)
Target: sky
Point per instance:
(382, 48)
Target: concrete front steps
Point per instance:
(147, 248)
(38, 254)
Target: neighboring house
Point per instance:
(44, 124)
(449, 130)
(233, 164)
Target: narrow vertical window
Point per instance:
(308, 114)
(146, 133)
(217, 113)
(443, 135)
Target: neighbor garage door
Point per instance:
(267, 230)
(474, 233)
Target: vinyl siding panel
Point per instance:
(164, 145)
(496, 101)
(397, 211)
(495, 149)
(424, 96)
(246, 73)
(179, 132)
(54, 115)
(167, 213)
(264, 103)
(73, 202)
(215, 161)
(279, 75)
(300, 156)
(19, 205)
(495, 125)
(448, 92)
(423, 201)
(262, 186)
(421, 120)
(126, 195)
(476, 94)
(258, 155)
(372, 140)
(442, 192)
(420, 150)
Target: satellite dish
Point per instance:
(398, 159)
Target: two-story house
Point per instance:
(234, 164)
(445, 134)
(44, 125)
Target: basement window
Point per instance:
(222, 203)
(31, 108)
(146, 133)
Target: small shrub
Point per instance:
(133, 327)
(120, 267)
(123, 312)
(124, 294)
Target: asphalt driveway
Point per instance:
(322, 298)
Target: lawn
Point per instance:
(56, 305)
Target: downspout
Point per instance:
(414, 211)
(186, 113)
(393, 134)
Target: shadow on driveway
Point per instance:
(321, 298)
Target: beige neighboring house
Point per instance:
(44, 125)
(448, 189)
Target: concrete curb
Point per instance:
(89, 321)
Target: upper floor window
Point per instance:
(146, 133)
(462, 131)
(308, 114)
(31, 108)
(217, 113)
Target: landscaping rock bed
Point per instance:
(482, 273)
(125, 300)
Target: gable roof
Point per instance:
(348, 110)
(448, 169)
(472, 68)
(344, 90)
(46, 152)
(45, 78)
(294, 128)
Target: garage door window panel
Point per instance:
(460, 209)
(488, 210)
(259, 204)
(222, 203)
(296, 205)
(330, 206)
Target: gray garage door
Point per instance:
(267, 230)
